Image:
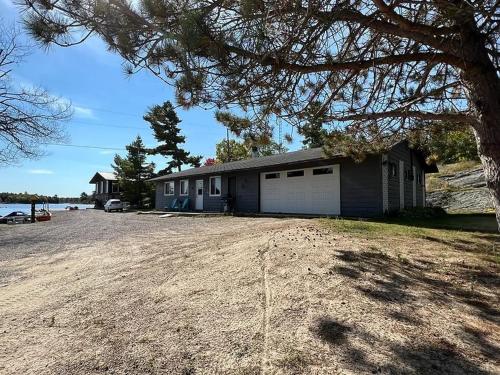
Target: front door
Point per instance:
(199, 195)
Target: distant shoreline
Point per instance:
(41, 202)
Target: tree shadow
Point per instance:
(479, 339)
(423, 357)
(432, 358)
(461, 245)
(391, 280)
(474, 222)
(331, 331)
(401, 284)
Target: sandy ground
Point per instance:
(93, 293)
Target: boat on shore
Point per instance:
(43, 215)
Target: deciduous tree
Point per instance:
(29, 116)
(376, 66)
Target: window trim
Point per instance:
(329, 170)
(187, 188)
(393, 170)
(165, 190)
(296, 170)
(276, 175)
(210, 186)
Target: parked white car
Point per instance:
(113, 205)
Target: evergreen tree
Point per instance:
(164, 122)
(133, 172)
(238, 150)
(230, 151)
(311, 128)
(84, 198)
(379, 67)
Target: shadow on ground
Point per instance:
(475, 222)
(393, 281)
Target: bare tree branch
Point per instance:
(29, 116)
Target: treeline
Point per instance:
(28, 198)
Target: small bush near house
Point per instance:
(419, 213)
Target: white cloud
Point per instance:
(83, 112)
(40, 171)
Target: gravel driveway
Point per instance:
(97, 293)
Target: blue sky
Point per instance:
(108, 108)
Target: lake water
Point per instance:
(7, 208)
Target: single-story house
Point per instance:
(106, 187)
(303, 182)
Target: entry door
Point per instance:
(199, 195)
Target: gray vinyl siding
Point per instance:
(163, 201)
(247, 192)
(361, 187)
(210, 203)
(419, 170)
(402, 152)
(213, 203)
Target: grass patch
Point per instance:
(373, 228)
(456, 221)
(457, 167)
(434, 182)
(447, 226)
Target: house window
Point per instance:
(419, 178)
(409, 175)
(295, 173)
(184, 187)
(393, 170)
(115, 188)
(169, 188)
(272, 176)
(320, 171)
(215, 185)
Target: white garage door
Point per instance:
(301, 191)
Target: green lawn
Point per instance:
(403, 225)
(477, 231)
(455, 221)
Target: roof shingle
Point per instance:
(252, 163)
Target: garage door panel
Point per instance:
(310, 194)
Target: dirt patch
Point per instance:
(138, 294)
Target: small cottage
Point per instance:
(302, 182)
(106, 187)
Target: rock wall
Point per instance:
(466, 192)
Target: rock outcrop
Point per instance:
(466, 191)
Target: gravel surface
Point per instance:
(97, 293)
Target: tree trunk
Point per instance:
(483, 85)
(488, 141)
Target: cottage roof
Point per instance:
(294, 157)
(99, 176)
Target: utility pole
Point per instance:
(228, 147)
